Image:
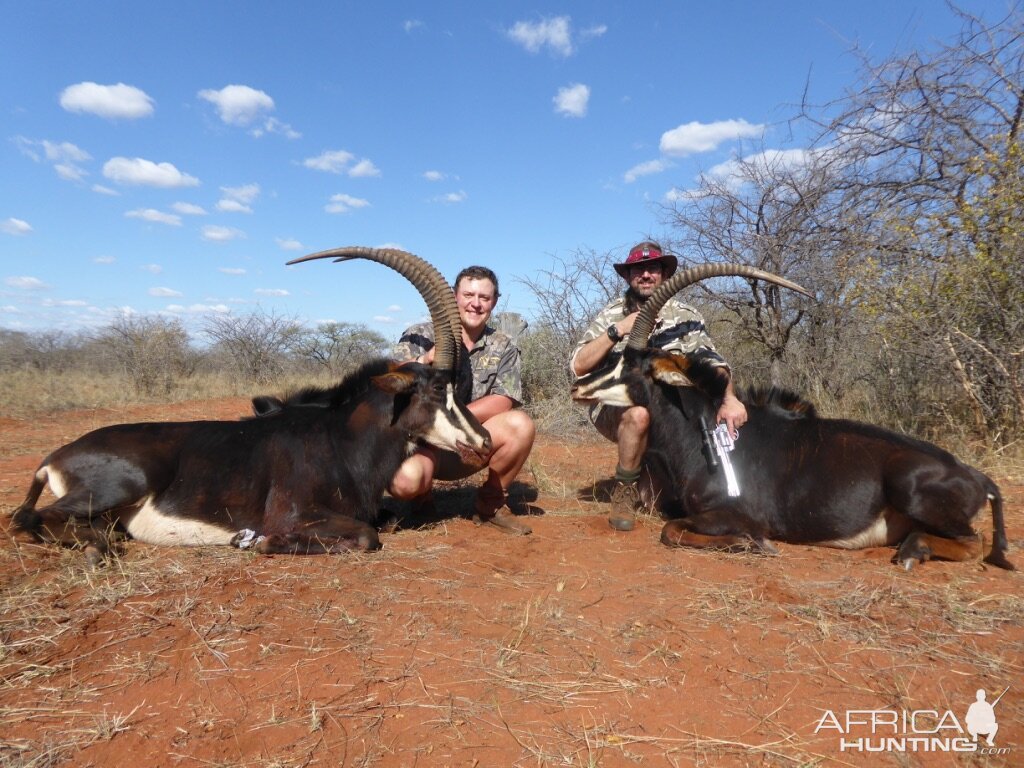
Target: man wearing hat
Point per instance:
(679, 328)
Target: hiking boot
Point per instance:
(625, 504)
(491, 508)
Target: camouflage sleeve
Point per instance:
(509, 378)
(612, 313)
(416, 340)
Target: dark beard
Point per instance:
(633, 301)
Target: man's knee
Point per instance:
(412, 479)
(636, 420)
(512, 428)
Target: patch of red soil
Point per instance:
(460, 645)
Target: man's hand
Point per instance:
(625, 325)
(732, 412)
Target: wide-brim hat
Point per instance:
(648, 251)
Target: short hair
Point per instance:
(478, 273)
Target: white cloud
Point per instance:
(231, 270)
(154, 269)
(410, 25)
(288, 244)
(452, 197)
(271, 292)
(273, 125)
(64, 303)
(393, 308)
(155, 216)
(238, 104)
(363, 168)
(694, 137)
(338, 160)
(237, 199)
(140, 172)
(219, 234)
(383, 319)
(65, 156)
(64, 152)
(104, 260)
(330, 160)
(735, 172)
(598, 30)
(101, 190)
(571, 100)
(649, 168)
(70, 172)
(232, 206)
(14, 226)
(189, 209)
(198, 309)
(111, 101)
(553, 34)
(434, 176)
(165, 292)
(26, 283)
(344, 203)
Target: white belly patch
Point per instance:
(151, 526)
(888, 529)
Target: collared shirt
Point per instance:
(494, 360)
(679, 328)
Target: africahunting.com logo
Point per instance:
(919, 730)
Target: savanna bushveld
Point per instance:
(456, 644)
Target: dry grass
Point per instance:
(25, 393)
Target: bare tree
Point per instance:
(338, 347)
(568, 296)
(153, 351)
(932, 172)
(258, 343)
(781, 212)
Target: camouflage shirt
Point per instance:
(494, 360)
(679, 328)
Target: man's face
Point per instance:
(476, 298)
(645, 277)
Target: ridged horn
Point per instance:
(444, 312)
(644, 323)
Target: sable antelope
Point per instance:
(803, 479)
(299, 480)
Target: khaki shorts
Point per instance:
(606, 418)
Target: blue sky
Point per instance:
(171, 157)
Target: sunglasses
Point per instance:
(641, 268)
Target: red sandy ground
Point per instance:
(462, 646)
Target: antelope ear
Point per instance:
(265, 405)
(671, 370)
(395, 382)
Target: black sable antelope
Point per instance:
(803, 479)
(297, 480)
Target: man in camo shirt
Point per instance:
(494, 364)
(679, 328)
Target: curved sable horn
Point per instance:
(644, 324)
(444, 312)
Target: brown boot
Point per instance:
(625, 504)
(491, 507)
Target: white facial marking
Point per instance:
(607, 389)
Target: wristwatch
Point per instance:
(613, 333)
